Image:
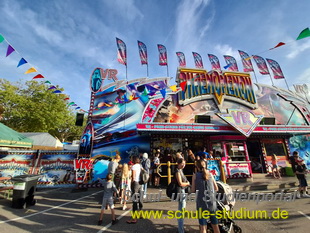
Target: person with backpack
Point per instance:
(108, 189)
(137, 200)
(182, 183)
(146, 165)
(203, 180)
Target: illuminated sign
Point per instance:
(206, 85)
(244, 121)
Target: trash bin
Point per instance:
(23, 190)
(289, 171)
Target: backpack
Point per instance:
(172, 188)
(144, 176)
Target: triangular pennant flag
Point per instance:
(57, 91)
(125, 98)
(278, 45)
(227, 66)
(70, 103)
(47, 82)
(66, 98)
(74, 104)
(38, 76)
(1, 38)
(52, 87)
(305, 33)
(22, 62)
(131, 97)
(163, 92)
(31, 70)
(173, 88)
(10, 50)
(145, 92)
(183, 85)
(78, 108)
(135, 98)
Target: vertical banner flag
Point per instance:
(215, 63)
(261, 65)
(162, 55)
(231, 63)
(198, 60)
(276, 69)
(181, 58)
(121, 53)
(246, 61)
(142, 52)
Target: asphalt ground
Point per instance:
(61, 210)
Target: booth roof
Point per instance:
(11, 138)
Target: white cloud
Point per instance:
(297, 48)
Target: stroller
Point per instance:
(226, 225)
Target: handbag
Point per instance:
(144, 176)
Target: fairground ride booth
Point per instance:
(223, 112)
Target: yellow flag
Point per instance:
(248, 58)
(173, 88)
(31, 70)
(131, 97)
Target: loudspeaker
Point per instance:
(268, 121)
(202, 119)
(79, 119)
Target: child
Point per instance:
(125, 185)
(108, 190)
(275, 166)
(301, 172)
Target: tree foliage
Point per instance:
(31, 107)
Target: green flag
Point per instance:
(1, 38)
(47, 82)
(305, 33)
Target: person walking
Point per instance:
(182, 184)
(146, 164)
(108, 189)
(137, 200)
(275, 167)
(301, 171)
(203, 180)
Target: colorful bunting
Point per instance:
(1, 38)
(31, 70)
(183, 85)
(278, 45)
(181, 58)
(71, 103)
(66, 98)
(231, 63)
(198, 60)
(22, 62)
(276, 69)
(121, 52)
(57, 91)
(142, 53)
(9, 50)
(163, 59)
(77, 108)
(305, 33)
(38, 76)
(47, 82)
(74, 104)
(52, 87)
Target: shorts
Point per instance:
(107, 201)
(213, 219)
(275, 166)
(302, 182)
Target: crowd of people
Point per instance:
(124, 178)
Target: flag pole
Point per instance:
(255, 76)
(286, 84)
(167, 70)
(147, 70)
(271, 80)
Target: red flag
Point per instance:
(261, 64)
(181, 58)
(276, 69)
(278, 45)
(121, 53)
(198, 60)
(38, 76)
(163, 60)
(142, 52)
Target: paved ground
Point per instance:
(60, 210)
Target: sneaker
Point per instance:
(99, 223)
(305, 195)
(114, 221)
(298, 195)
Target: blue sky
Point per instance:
(66, 39)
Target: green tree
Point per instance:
(31, 107)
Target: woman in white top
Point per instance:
(136, 187)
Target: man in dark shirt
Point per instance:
(293, 160)
(301, 171)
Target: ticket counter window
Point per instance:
(235, 151)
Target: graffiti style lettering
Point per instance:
(82, 164)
